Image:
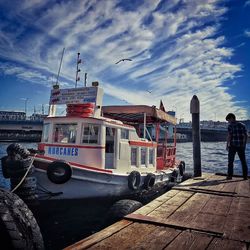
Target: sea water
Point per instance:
(213, 157)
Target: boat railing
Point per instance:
(166, 156)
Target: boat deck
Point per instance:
(208, 212)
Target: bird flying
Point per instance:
(122, 60)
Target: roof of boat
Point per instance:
(135, 114)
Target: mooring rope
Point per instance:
(18, 185)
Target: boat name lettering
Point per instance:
(63, 151)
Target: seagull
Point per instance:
(149, 91)
(122, 60)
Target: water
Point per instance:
(69, 223)
(213, 157)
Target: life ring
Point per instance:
(134, 180)
(149, 181)
(81, 105)
(59, 172)
(80, 110)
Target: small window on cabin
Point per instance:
(65, 133)
(90, 133)
(45, 134)
(133, 156)
(124, 133)
(143, 156)
(151, 156)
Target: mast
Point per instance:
(59, 67)
(77, 68)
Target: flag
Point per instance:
(162, 106)
(79, 61)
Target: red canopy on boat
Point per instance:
(135, 114)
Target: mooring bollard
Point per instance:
(195, 111)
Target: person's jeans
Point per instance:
(231, 155)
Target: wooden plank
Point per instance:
(170, 206)
(218, 205)
(126, 238)
(224, 244)
(209, 222)
(229, 186)
(157, 221)
(93, 239)
(157, 239)
(191, 241)
(206, 191)
(189, 210)
(243, 188)
(150, 207)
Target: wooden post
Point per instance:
(195, 111)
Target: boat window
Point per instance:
(90, 133)
(124, 133)
(45, 136)
(143, 156)
(151, 156)
(133, 156)
(65, 133)
(110, 138)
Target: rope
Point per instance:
(17, 186)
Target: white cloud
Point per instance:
(177, 50)
(247, 3)
(247, 33)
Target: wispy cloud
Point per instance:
(176, 47)
(247, 3)
(247, 33)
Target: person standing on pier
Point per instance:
(236, 143)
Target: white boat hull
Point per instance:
(90, 184)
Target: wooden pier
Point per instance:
(208, 212)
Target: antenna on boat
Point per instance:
(85, 79)
(57, 85)
(77, 68)
(42, 109)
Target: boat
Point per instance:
(102, 151)
(96, 151)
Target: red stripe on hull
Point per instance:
(73, 164)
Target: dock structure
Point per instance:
(207, 212)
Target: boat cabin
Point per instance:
(115, 138)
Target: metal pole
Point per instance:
(195, 111)
(85, 80)
(77, 69)
(144, 129)
(60, 67)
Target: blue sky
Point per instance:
(178, 48)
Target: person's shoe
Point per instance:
(229, 177)
(245, 178)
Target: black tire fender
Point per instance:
(134, 180)
(149, 181)
(182, 168)
(5, 167)
(16, 148)
(18, 226)
(59, 172)
(122, 208)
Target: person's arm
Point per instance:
(245, 137)
(228, 141)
